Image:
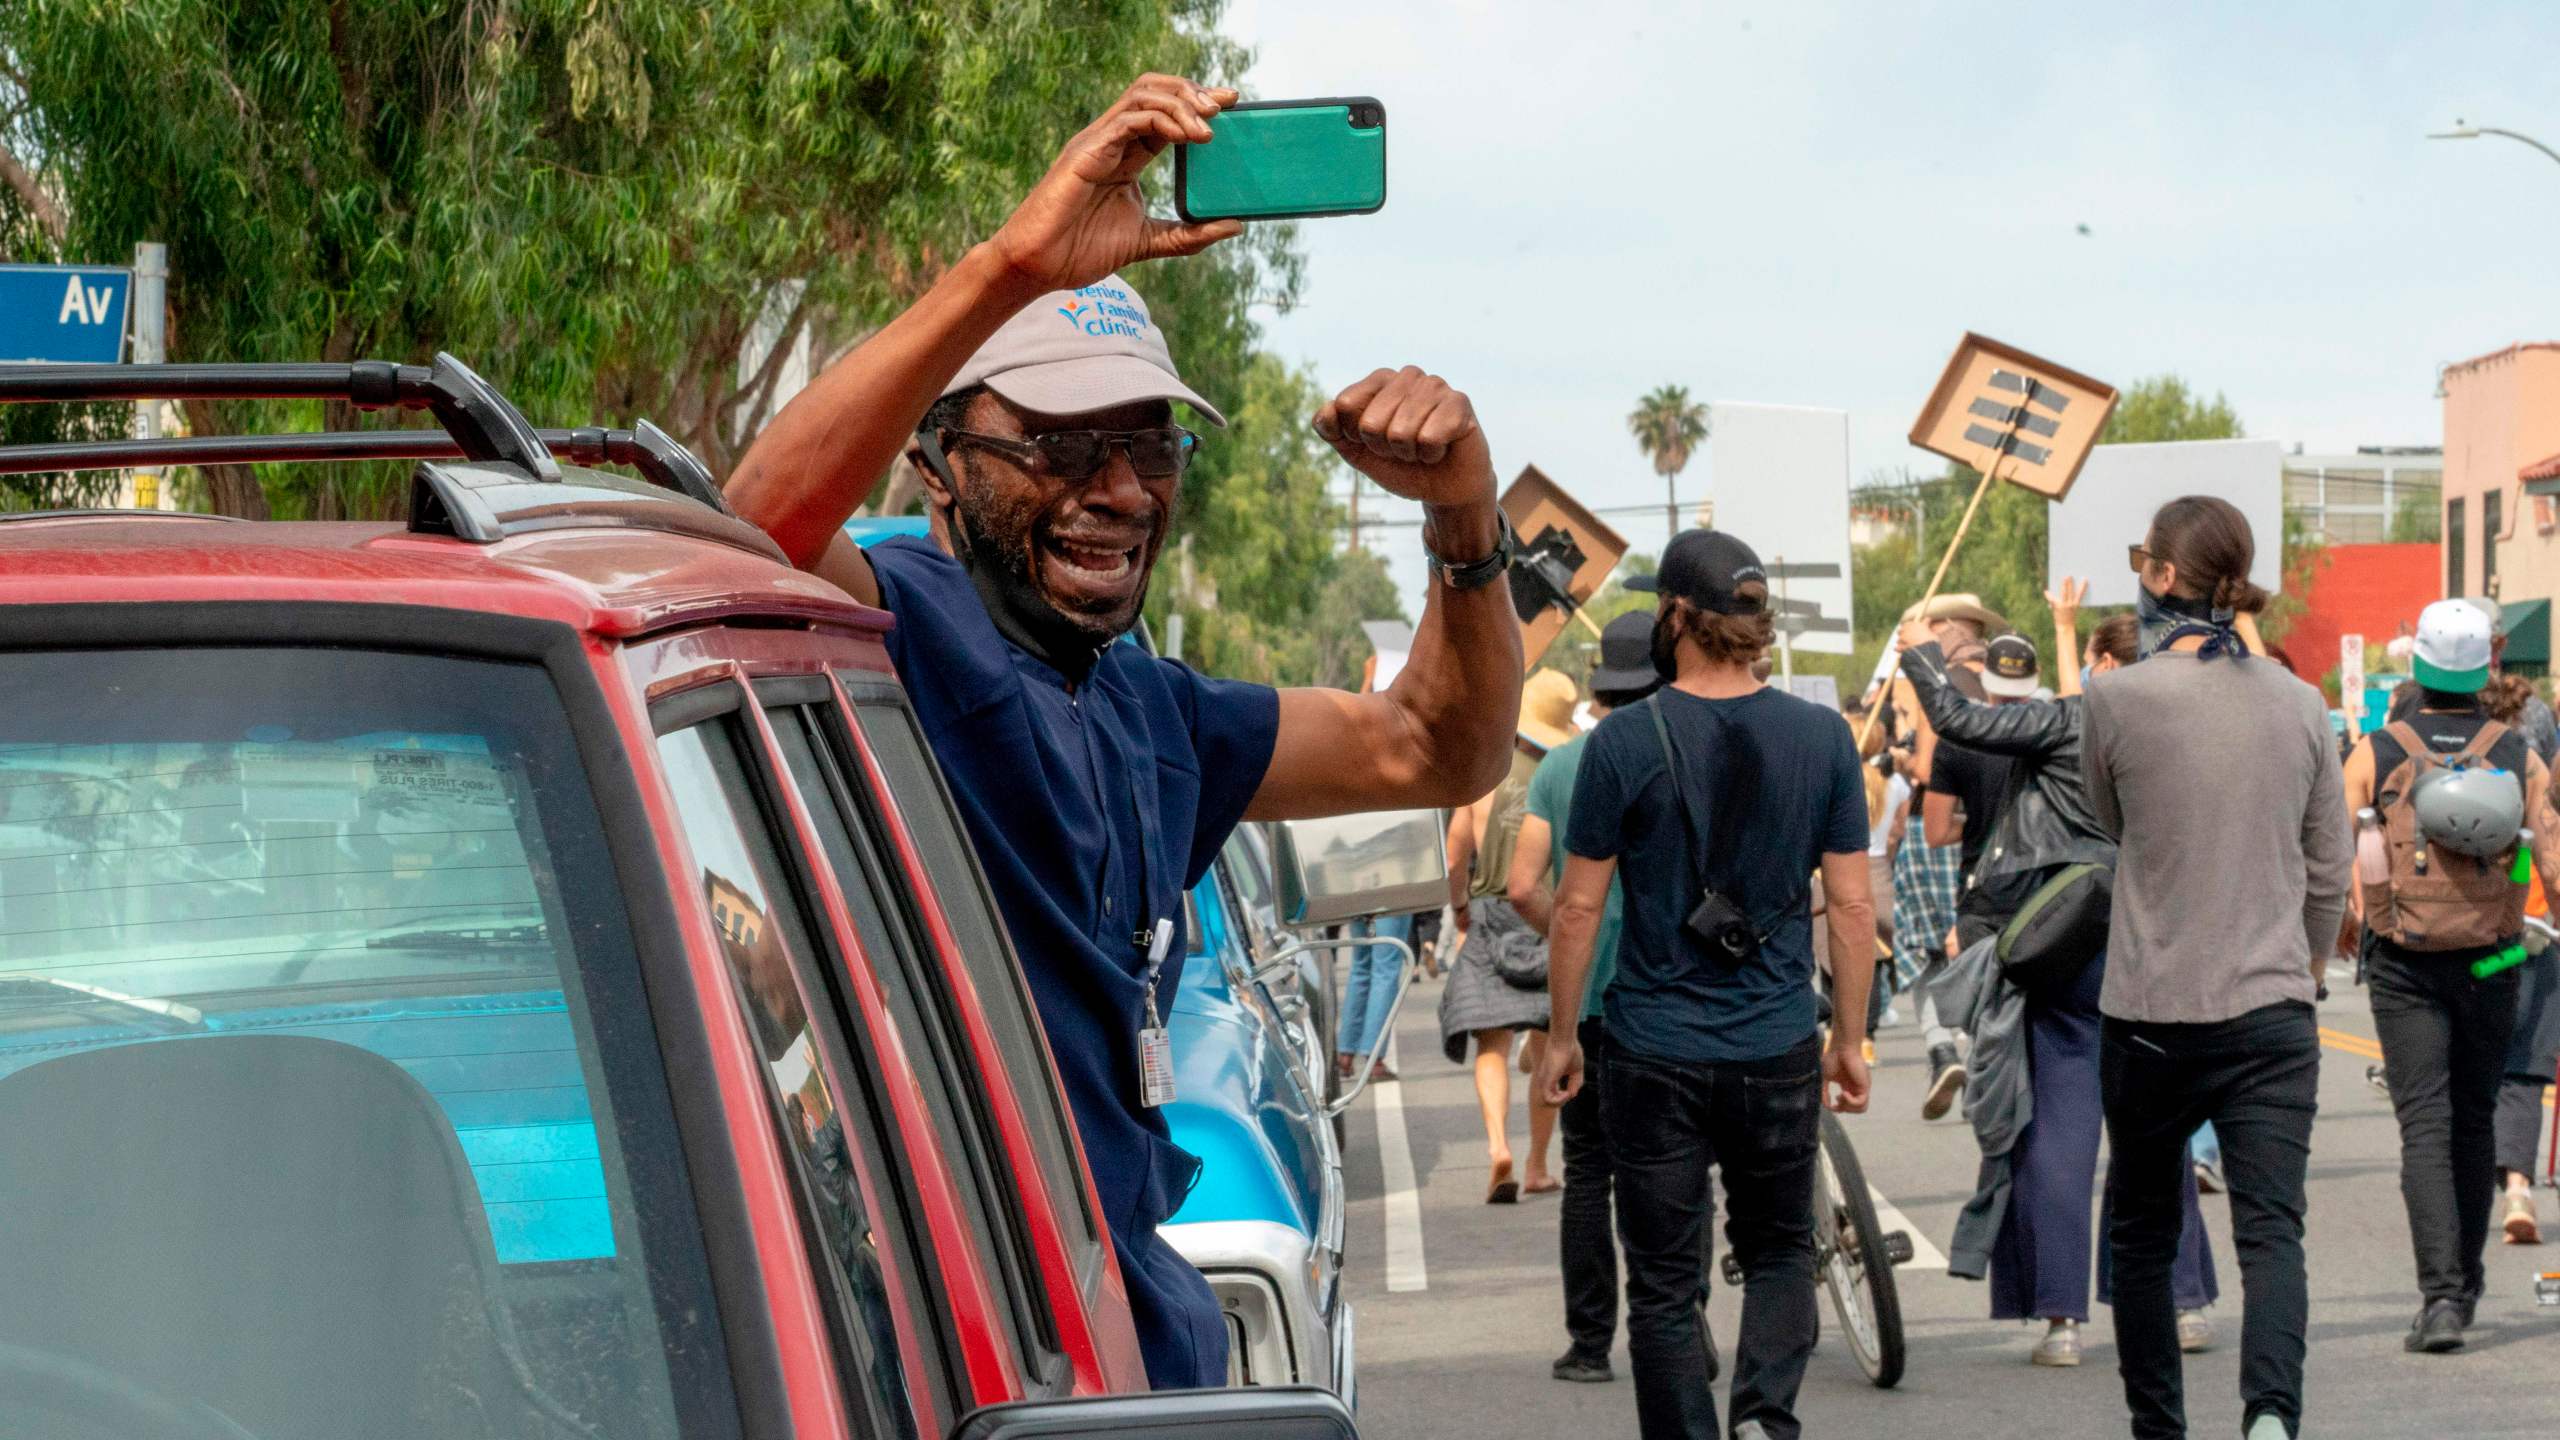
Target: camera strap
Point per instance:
(1689, 816)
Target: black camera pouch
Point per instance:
(1723, 930)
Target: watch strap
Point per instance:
(1479, 573)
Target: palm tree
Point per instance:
(1668, 425)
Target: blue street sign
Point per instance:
(72, 314)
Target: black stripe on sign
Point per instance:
(2035, 391)
(2014, 417)
(2010, 443)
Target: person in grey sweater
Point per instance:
(2216, 772)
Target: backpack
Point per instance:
(2435, 898)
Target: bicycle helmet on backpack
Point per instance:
(2473, 811)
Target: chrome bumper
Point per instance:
(1279, 1330)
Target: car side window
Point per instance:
(890, 928)
(822, 1106)
(918, 795)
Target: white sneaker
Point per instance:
(2195, 1333)
(2267, 1427)
(2060, 1346)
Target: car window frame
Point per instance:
(1036, 1087)
(937, 1352)
(912, 971)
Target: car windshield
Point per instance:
(304, 1114)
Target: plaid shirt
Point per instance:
(1926, 882)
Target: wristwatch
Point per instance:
(1477, 574)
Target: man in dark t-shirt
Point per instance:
(1716, 786)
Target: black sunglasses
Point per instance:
(1080, 454)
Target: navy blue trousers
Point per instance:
(2040, 1259)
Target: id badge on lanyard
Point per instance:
(1155, 1046)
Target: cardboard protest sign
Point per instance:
(1565, 556)
(2001, 410)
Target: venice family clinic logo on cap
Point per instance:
(1073, 352)
(1107, 310)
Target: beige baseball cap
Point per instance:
(1072, 352)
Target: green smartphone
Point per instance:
(1286, 160)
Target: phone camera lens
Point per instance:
(1364, 117)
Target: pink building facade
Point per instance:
(2501, 418)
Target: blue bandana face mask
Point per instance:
(2167, 619)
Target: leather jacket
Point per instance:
(2045, 819)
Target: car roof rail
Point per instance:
(479, 419)
(644, 447)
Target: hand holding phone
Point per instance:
(1087, 217)
(1285, 160)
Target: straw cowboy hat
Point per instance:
(1546, 709)
(1958, 606)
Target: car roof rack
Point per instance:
(479, 419)
(479, 425)
(644, 447)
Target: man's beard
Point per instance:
(995, 547)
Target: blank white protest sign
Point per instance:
(2122, 485)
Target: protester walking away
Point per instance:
(1497, 987)
(2533, 1057)
(2215, 771)
(1098, 782)
(1966, 788)
(1369, 994)
(1718, 797)
(1586, 1235)
(2441, 800)
(2508, 698)
(2030, 1217)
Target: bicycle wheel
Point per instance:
(1857, 1265)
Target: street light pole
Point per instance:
(2461, 131)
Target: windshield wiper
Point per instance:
(185, 1017)
(535, 936)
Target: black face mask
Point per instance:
(1001, 574)
(1666, 646)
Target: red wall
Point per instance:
(2371, 589)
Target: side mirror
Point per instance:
(1348, 867)
(1264, 1413)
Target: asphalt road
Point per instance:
(1460, 1311)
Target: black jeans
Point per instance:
(2257, 1078)
(1587, 1238)
(2444, 1050)
(1669, 1122)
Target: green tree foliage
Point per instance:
(1281, 604)
(2419, 518)
(590, 202)
(1668, 425)
(593, 203)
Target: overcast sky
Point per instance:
(1809, 202)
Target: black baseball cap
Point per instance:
(1626, 655)
(2009, 669)
(1708, 568)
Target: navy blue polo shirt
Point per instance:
(1092, 809)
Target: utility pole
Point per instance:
(150, 309)
(1355, 512)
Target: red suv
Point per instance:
(512, 973)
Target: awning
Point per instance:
(2527, 626)
(2542, 477)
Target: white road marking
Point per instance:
(1889, 1218)
(1405, 1269)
